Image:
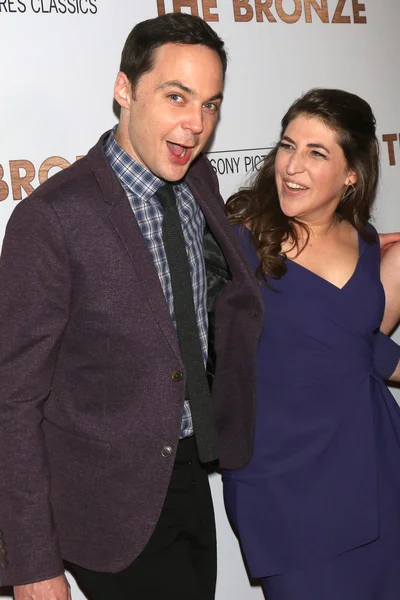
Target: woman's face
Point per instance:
(310, 170)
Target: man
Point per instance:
(105, 419)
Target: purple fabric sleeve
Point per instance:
(386, 355)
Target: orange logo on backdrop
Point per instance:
(23, 172)
(328, 11)
(391, 139)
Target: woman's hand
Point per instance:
(387, 240)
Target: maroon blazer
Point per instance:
(87, 352)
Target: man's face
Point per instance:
(169, 116)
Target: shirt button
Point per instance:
(177, 376)
(166, 451)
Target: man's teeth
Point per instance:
(295, 186)
(182, 154)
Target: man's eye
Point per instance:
(175, 98)
(285, 145)
(211, 106)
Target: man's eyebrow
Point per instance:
(176, 84)
(288, 139)
(218, 96)
(186, 89)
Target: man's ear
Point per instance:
(123, 91)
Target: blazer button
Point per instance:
(166, 451)
(254, 313)
(177, 376)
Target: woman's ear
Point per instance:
(351, 178)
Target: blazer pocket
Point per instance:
(81, 449)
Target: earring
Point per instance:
(348, 191)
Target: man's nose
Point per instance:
(194, 120)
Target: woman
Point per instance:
(317, 509)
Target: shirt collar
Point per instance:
(132, 175)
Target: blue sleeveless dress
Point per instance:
(317, 509)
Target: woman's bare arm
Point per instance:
(390, 277)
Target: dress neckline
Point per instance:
(361, 248)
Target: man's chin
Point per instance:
(174, 173)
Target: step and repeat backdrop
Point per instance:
(59, 61)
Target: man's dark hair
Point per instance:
(173, 28)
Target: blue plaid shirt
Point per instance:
(140, 186)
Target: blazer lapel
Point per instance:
(128, 230)
(124, 222)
